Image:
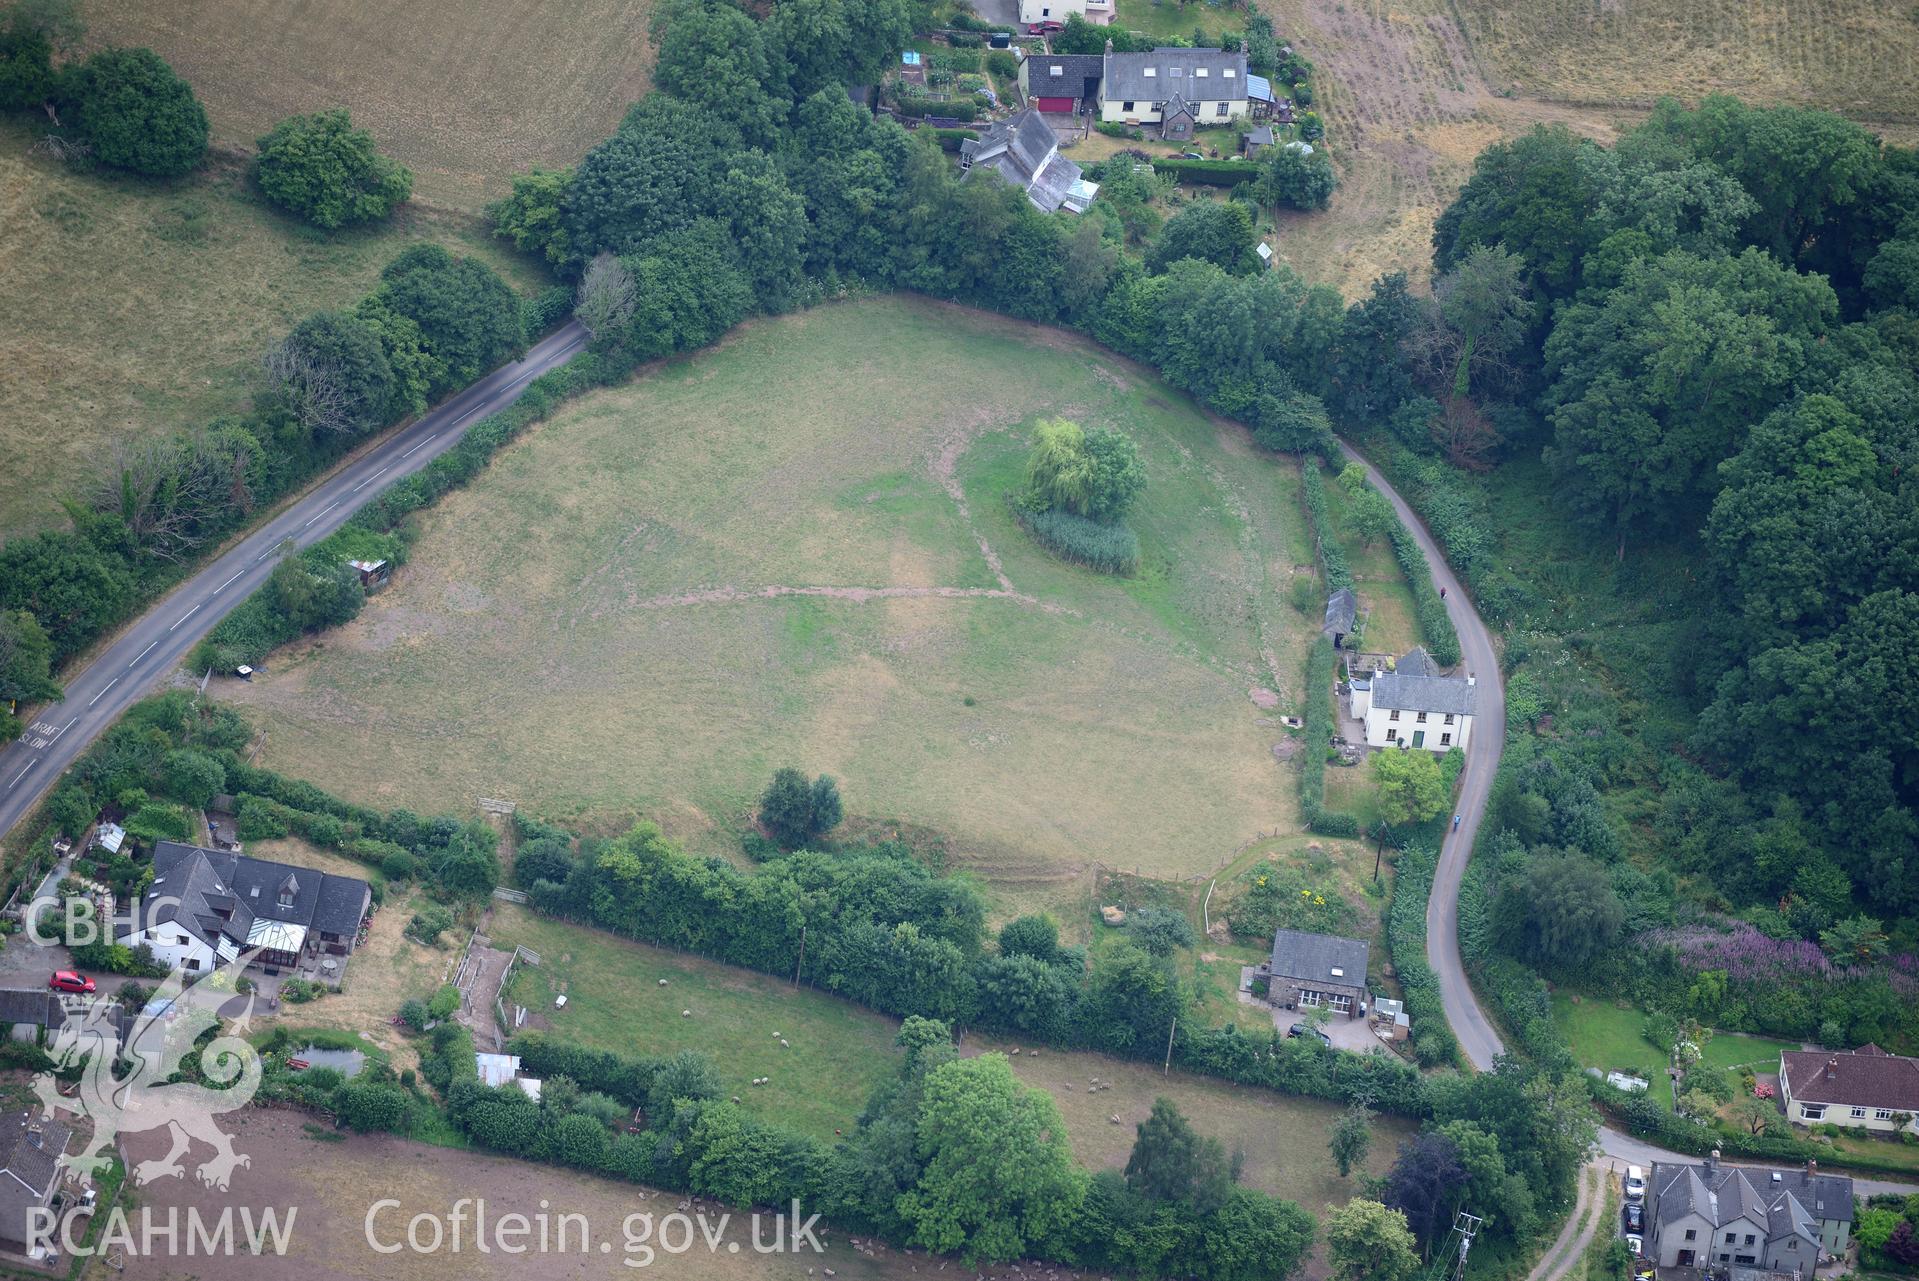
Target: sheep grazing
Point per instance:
(686, 1014)
(662, 982)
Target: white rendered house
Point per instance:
(1415, 706)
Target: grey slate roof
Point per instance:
(1063, 75)
(1781, 1203)
(1175, 71)
(1415, 685)
(29, 1167)
(1416, 662)
(1312, 958)
(1024, 150)
(1260, 137)
(1342, 608)
(221, 892)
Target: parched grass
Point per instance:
(795, 549)
(1284, 1140)
(466, 93)
(1854, 56)
(135, 308)
(385, 971)
(614, 1001)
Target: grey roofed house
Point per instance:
(1063, 75)
(1260, 137)
(1320, 958)
(1778, 1206)
(221, 895)
(22, 1010)
(30, 1151)
(1200, 75)
(1414, 685)
(1024, 150)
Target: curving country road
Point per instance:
(1478, 1038)
(151, 646)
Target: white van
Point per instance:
(1635, 1183)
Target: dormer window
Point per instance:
(289, 888)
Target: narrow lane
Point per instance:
(149, 647)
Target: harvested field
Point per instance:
(331, 1181)
(135, 308)
(796, 549)
(466, 93)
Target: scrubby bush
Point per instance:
(429, 923)
(797, 812)
(136, 113)
(322, 169)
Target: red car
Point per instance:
(1044, 28)
(68, 981)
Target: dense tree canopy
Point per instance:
(324, 170)
(137, 114)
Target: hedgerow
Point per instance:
(1433, 1041)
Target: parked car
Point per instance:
(1635, 1217)
(1307, 1029)
(1635, 1183)
(68, 981)
(1636, 1244)
(1044, 28)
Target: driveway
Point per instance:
(997, 13)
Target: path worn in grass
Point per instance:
(796, 548)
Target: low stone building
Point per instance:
(1308, 971)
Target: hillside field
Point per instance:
(795, 548)
(137, 307)
(466, 93)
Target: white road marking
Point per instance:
(70, 724)
(323, 511)
(409, 453)
(463, 417)
(223, 586)
(184, 617)
(17, 777)
(370, 479)
(102, 694)
(144, 653)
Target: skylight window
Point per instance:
(1338, 973)
(1151, 72)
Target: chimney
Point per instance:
(1832, 1068)
(1712, 1161)
(1109, 44)
(1812, 1166)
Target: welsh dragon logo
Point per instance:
(131, 1089)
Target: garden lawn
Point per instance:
(1605, 1036)
(1385, 598)
(795, 548)
(137, 308)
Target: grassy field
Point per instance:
(466, 93)
(614, 1001)
(839, 1052)
(795, 549)
(135, 307)
(1385, 598)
